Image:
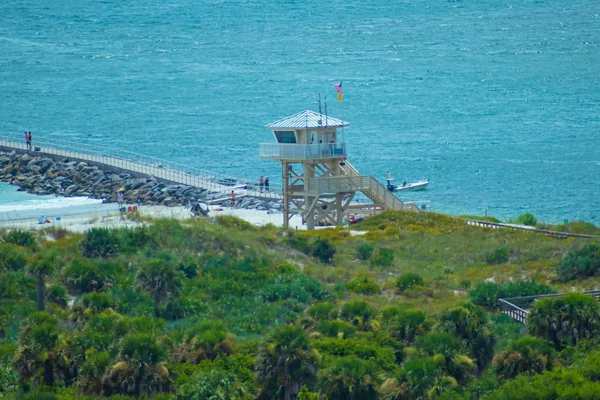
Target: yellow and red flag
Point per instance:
(338, 88)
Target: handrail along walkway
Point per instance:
(149, 166)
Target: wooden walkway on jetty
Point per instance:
(143, 166)
(518, 307)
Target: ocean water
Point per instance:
(497, 103)
(15, 205)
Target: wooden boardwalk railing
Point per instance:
(556, 234)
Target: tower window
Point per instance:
(285, 136)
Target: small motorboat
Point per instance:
(409, 187)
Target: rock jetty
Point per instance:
(70, 177)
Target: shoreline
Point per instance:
(83, 222)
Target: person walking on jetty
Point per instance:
(232, 199)
(261, 183)
(28, 140)
(267, 184)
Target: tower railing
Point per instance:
(292, 151)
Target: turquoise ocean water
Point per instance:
(496, 102)
(15, 205)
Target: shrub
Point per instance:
(135, 238)
(323, 250)
(97, 301)
(40, 396)
(350, 378)
(11, 257)
(486, 294)
(363, 285)
(207, 340)
(320, 311)
(305, 394)
(57, 295)
(527, 219)
(408, 280)
(20, 238)
(357, 312)
(383, 257)
(298, 241)
(81, 276)
(364, 251)
(100, 242)
(216, 383)
(405, 325)
(449, 353)
(579, 264)
(184, 307)
(528, 355)
(230, 221)
(581, 227)
(376, 348)
(296, 285)
(498, 256)
(336, 328)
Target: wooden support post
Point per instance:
(285, 166)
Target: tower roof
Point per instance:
(308, 119)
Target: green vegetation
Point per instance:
(527, 219)
(221, 309)
(580, 264)
(486, 294)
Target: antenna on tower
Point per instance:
(320, 113)
(326, 121)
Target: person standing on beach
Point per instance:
(232, 199)
(261, 183)
(267, 184)
(120, 198)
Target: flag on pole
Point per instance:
(338, 88)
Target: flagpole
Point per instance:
(343, 132)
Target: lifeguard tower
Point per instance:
(318, 181)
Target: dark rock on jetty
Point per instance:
(70, 178)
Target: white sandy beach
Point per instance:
(116, 219)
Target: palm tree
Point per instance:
(43, 349)
(442, 384)
(42, 266)
(92, 370)
(206, 340)
(450, 354)
(285, 360)
(161, 279)
(468, 323)
(350, 378)
(565, 319)
(528, 355)
(140, 371)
